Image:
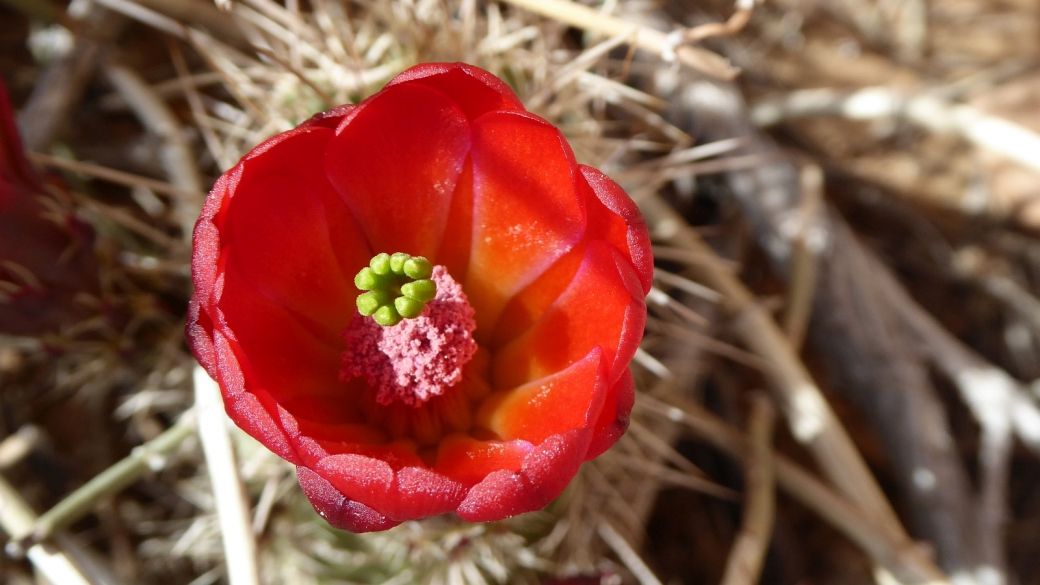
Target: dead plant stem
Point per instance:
(744, 566)
(810, 417)
(144, 458)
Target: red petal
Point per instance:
(336, 509)
(199, 331)
(330, 118)
(14, 167)
(475, 91)
(281, 355)
(395, 160)
(603, 307)
(638, 250)
(468, 460)
(407, 493)
(423, 492)
(206, 239)
(245, 408)
(543, 476)
(570, 399)
(289, 244)
(527, 211)
(613, 419)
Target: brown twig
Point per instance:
(811, 419)
(198, 110)
(53, 563)
(177, 156)
(107, 174)
(744, 565)
(807, 246)
(902, 557)
(62, 84)
(736, 23)
(655, 41)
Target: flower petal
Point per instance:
(527, 208)
(569, 399)
(475, 91)
(603, 307)
(455, 249)
(613, 419)
(468, 460)
(283, 247)
(614, 198)
(14, 167)
(246, 408)
(336, 508)
(395, 160)
(407, 492)
(283, 357)
(528, 305)
(546, 471)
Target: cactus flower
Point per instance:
(46, 254)
(423, 302)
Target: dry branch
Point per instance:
(1011, 140)
(16, 517)
(744, 566)
(903, 558)
(661, 44)
(810, 417)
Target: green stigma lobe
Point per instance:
(398, 287)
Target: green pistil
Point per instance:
(398, 286)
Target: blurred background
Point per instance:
(836, 384)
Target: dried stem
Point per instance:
(903, 558)
(655, 41)
(145, 458)
(744, 566)
(16, 517)
(806, 247)
(16, 447)
(112, 175)
(228, 493)
(63, 83)
(1013, 141)
(810, 417)
(628, 556)
(177, 156)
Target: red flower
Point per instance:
(554, 260)
(46, 256)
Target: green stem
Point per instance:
(112, 480)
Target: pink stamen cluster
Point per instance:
(418, 358)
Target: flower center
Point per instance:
(420, 356)
(398, 287)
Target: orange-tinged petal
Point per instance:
(569, 399)
(395, 160)
(455, 248)
(603, 307)
(527, 208)
(468, 460)
(528, 305)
